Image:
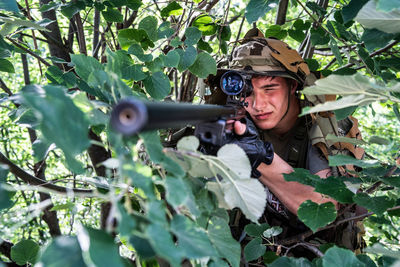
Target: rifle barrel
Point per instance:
(131, 116)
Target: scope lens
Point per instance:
(232, 83)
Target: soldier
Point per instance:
(274, 137)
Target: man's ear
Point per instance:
(293, 86)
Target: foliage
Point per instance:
(92, 197)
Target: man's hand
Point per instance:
(246, 136)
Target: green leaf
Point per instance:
(374, 38)
(189, 143)
(142, 246)
(176, 42)
(71, 8)
(134, 4)
(187, 57)
(84, 65)
(165, 30)
(69, 133)
(112, 15)
(370, 17)
(205, 24)
(313, 64)
(350, 11)
(171, 60)
(9, 5)
(388, 5)
(315, 216)
(5, 195)
(336, 256)
(377, 205)
(149, 25)
(256, 230)
(316, 8)
(291, 262)
(192, 35)
(135, 73)
(390, 62)
(319, 36)
(366, 260)
(366, 58)
(276, 31)
(157, 85)
(187, 232)
(102, 241)
(25, 251)
(335, 188)
(127, 37)
(254, 249)
(63, 251)
(333, 138)
(256, 9)
(6, 66)
(344, 113)
(378, 140)
(137, 50)
(225, 33)
(177, 191)
(157, 65)
(203, 65)
(204, 46)
(173, 9)
(380, 249)
(392, 181)
(162, 243)
(341, 160)
(297, 35)
(302, 176)
(336, 51)
(273, 231)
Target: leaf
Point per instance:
(247, 194)
(254, 249)
(6, 66)
(255, 230)
(190, 143)
(162, 243)
(350, 11)
(171, 60)
(302, 176)
(316, 215)
(192, 35)
(291, 262)
(377, 205)
(71, 8)
(392, 181)
(137, 50)
(316, 8)
(204, 46)
(192, 240)
(374, 38)
(256, 9)
(336, 256)
(157, 85)
(193, 163)
(335, 188)
(380, 249)
(5, 195)
(135, 73)
(370, 17)
(388, 5)
(84, 65)
(172, 9)
(335, 50)
(25, 251)
(62, 251)
(341, 160)
(313, 64)
(378, 140)
(273, 231)
(319, 36)
(334, 138)
(276, 31)
(366, 260)
(112, 15)
(69, 133)
(149, 25)
(235, 159)
(204, 65)
(205, 24)
(165, 30)
(37, 25)
(9, 5)
(187, 57)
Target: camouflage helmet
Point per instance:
(266, 56)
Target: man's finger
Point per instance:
(240, 128)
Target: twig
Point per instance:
(312, 248)
(29, 52)
(5, 88)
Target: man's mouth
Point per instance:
(263, 116)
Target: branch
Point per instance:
(30, 179)
(29, 52)
(310, 247)
(281, 14)
(5, 88)
(377, 184)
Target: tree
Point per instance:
(106, 203)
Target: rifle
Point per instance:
(131, 115)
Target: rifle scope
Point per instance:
(131, 116)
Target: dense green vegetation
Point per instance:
(75, 193)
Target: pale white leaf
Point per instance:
(334, 139)
(247, 194)
(25, 23)
(217, 190)
(235, 159)
(370, 17)
(273, 231)
(190, 143)
(110, 163)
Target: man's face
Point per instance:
(268, 102)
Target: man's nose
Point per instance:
(258, 103)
